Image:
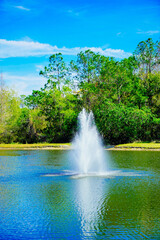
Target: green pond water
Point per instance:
(41, 197)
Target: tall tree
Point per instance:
(147, 54)
(88, 66)
(55, 72)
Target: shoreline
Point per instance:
(69, 148)
(36, 148)
(138, 146)
(41, 146)
(132, 149)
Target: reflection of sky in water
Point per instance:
(124, 206)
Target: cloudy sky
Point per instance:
(32, 30)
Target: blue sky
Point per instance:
(32, 30)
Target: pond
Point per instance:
(40, 200)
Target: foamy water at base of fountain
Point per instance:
(108, 174)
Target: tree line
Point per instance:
(123, 95)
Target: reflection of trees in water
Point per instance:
(131, 205)
(149, 216)
(54, 158)
(60, 207)
(138, 160)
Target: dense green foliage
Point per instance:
(123, 95)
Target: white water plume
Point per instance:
(88, 150)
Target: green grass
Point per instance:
(151, 145)
(35, 145)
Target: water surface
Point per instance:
(122, 206)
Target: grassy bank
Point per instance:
(35, 146)
(61, 146)
(138, 146)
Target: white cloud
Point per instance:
(73, 13)
(40, 67)
(77, 12)
(23, 48)
(26, 39)
(24, 84)
(30, 48)
(22, 8)
(151, 32)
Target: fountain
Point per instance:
(88, 157)
(88, 152)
